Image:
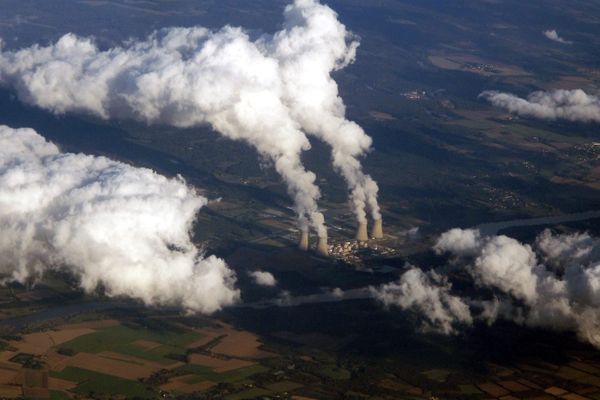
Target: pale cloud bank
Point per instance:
(572, 105)
(263, 278)
(110, 225)
(429, 295)
(553, 283)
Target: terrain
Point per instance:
(443, 158)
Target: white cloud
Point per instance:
(563, 250)
(338, 293)
(572, 105)
(411, 233)
(109, 224)
(552, 34)
(429, 295)
(458, 241)
(505, 263)
(562, 292)
(263, 278)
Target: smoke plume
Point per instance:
(313, 44)
(554, 283)
(552, 34)
(266, 92)
(107, 223)
(572, 105)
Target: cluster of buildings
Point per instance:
(414, 94)
(355, 252)
(348, 251)
(481, 67)
(586, 152)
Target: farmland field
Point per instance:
(94, 382)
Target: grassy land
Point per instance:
(333, 372)
(206, 373)
(249, 394)
(56, 395)
(285, 386)
(120, 339)
(439, 375)
(95, 382)
(469, 389)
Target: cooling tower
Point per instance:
(377, 231)
(303, 244)
(322, 248)
(361, 233)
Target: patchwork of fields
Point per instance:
(127, 359)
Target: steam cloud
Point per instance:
(553, 35)
(267, 92)
(109, 224)
(313, 44)
(428, 294)
(554, 283)
(572, 105)
(263, 278)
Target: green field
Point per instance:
(469, 389)
(439, 375)
(335, 372)
(249, 394)
(56, 395)
(95, 382)
(120, 339)
(234, 376)
(284, 386)
(240, 374)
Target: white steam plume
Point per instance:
(572, 105)
(109, 224)
(179, 76)
(459, 241)
(311, 46)
(552, 34)
(264, 92)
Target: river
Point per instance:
(493, 228)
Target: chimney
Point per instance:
(361, 233)
(303, 244)
(322, 248)
(377, 231)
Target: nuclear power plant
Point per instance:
(303, 244)
(322, 247)
(377, 232)
(361, 232)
